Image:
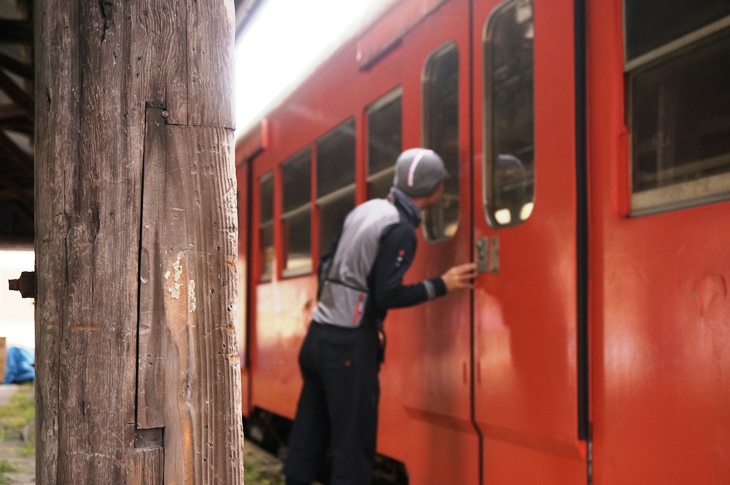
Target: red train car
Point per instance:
(588, 143)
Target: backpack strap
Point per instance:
(325, 262)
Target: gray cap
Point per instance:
(419, 172)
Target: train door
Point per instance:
(525, 230)
(428, 359)
(659, 156)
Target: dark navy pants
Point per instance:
(338, 405)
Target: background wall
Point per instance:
(16, 313)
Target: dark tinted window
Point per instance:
(384, 142)
(651, 23)
(680, 127)
(441, 134)
(679, 102)
(510, 114)
(296, 174)
(336, 159)
(335, 180)
(297, 229)
(331, 217)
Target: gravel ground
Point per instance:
(7, 390)
(13, 451)
(260, 468)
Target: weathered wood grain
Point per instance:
(152, 316)
(54, 132)
(159, 62)
(87, 234)
(210, 95)
(185, 61)
(69, 229)
(149, 466)
(197, 247)
(101, 174)
(187, 336)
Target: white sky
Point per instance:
(283, 42)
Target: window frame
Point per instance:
(488, 121)
(426, 135)
(665, 199)
(286, 215)
(376, 105)
(330, 198)
(670, 48)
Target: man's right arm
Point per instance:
(395, 255)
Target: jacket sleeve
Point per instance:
(395, 255)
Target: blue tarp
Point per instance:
(19, 366)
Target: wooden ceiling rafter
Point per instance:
(17, 67)
(17, 94)
(16, 31)
(17, 120)
(20, 125)
(7, 194)
(14, 153)
(11, 111)
(21, 205)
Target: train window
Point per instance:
(266, 226)
(385, 119)
(335, 180)
(509, 175)
(650, 26)
(679, 106)
(441, 134)
(296, 175)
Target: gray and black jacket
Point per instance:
(376, 247)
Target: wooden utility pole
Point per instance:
(138, 378)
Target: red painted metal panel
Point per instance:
(283, 312)
(426, 379)
(525, 315)
(660, 311)
(253, 143)
(385, 34)
(243, 278)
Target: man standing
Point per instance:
(341, 354)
